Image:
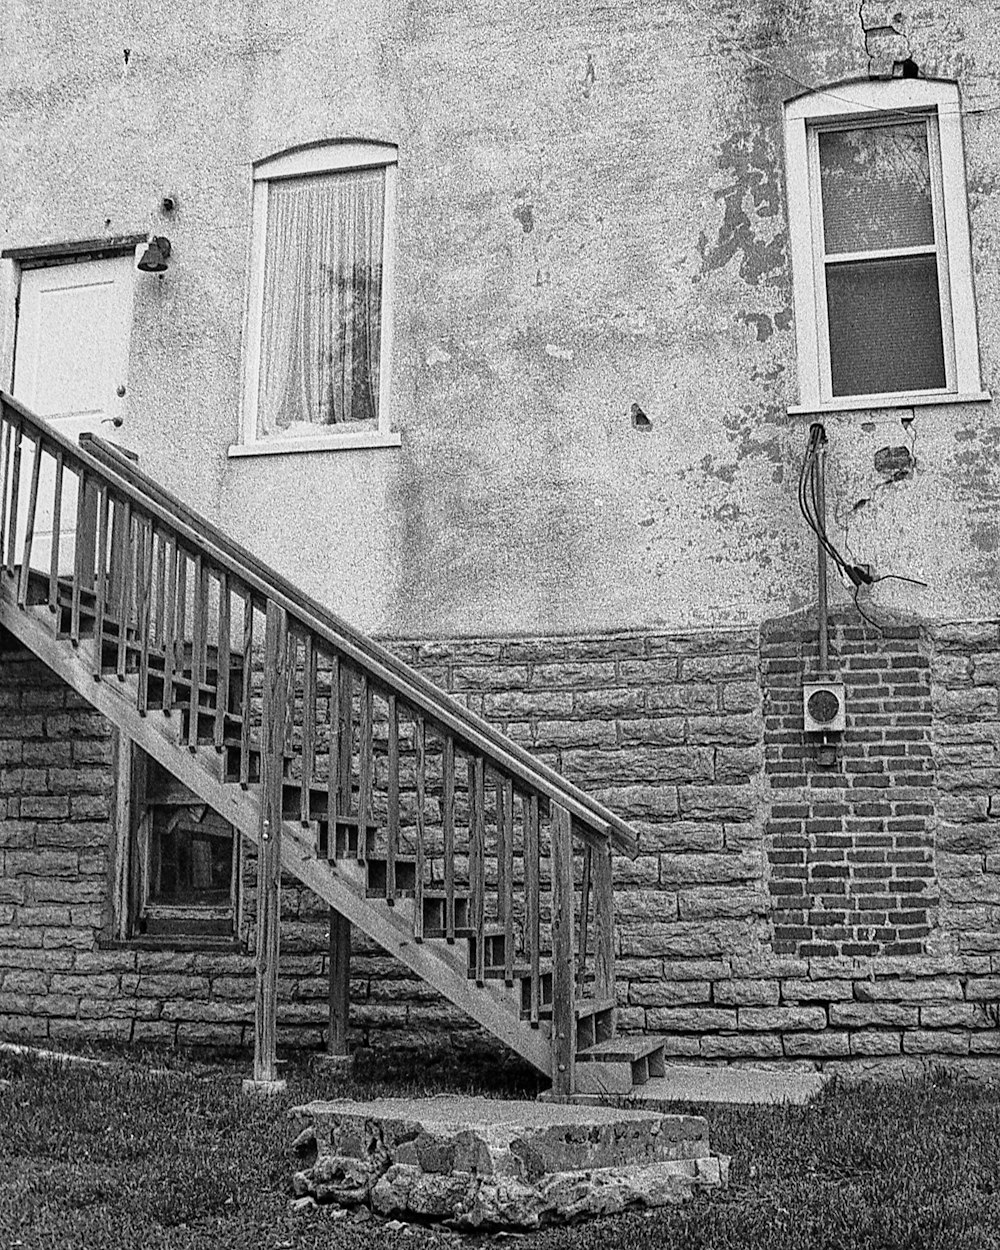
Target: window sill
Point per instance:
(861, 403)
(165, 942)
(348, 441)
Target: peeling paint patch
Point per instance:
(558, 353)
(742, 428)
(589, 77)
(894, 463)
(524, 213)
(724, 472)
(754, 188)
(761, 322)
(437, 356)
(985, 537)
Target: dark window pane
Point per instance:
(191, 859)
(876, 184)
(885, 326)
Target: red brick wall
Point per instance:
(851, 845)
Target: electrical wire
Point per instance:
(861, 612)
(914, 581)
(853, 575)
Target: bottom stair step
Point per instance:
(619, 1065)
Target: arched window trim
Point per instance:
(325, 156)
(871, 103)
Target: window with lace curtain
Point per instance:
(881, 260)
(319, 315)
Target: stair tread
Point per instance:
(195, 700)
(621, 1049)
(591, 1006)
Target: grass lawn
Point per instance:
(117, 1158)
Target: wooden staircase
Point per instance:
(474, 864)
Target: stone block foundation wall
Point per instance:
(778, 911)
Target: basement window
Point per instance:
(180, 861)
(320, 300)
(881, 260)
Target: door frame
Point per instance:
(40, 256)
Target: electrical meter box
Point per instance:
(823, 707)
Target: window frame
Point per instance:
(874, 103)
(131, 902)
(324, 157)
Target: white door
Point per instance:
(70, 366)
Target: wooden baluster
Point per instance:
(346, 739)
(100, 603)
(365, 762)
(581, 948)
(56, 527)
(159, 606)
(604, 924)
(532, 886)
(269, 842)
(420, 746)
(29, 527)
(170, 626)
(223, 662)
(15, 486)
(199, 614)
(182, 569)
(392, 848)
(333, 800)
(145, 571)
(448, 820)
(505, 869)
(247, 692)
(79, 562)
(308, 725)
(339, 983)
(6, 442)
(477, 862)
(293, 669)
(504, 884)
(563, 971)
(121, 560)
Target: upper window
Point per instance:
(318, 330)
(881, 263)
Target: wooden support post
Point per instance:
(604, 924)
(563, 964)
(265, 1072)
(340, 988)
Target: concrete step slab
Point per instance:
(703, 1083)
(511, 1137)
(483, 1163)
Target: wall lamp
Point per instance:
(154, 258)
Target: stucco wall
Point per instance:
(591, 215)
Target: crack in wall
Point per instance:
(885, 30)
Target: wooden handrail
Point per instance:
(164, 595)
(95, 455)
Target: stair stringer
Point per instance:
(341, 885)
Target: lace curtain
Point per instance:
(321, 323)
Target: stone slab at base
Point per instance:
(491, 1163)
(338, 1066)
(704, 1083)
(264, 1089)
